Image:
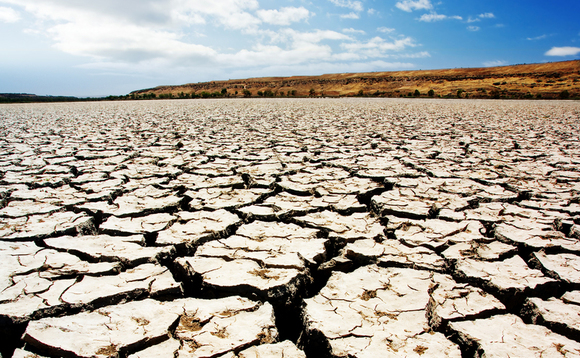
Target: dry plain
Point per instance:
(290, 228)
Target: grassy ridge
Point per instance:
(547, 80)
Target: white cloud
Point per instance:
(106, 39)
(233, 14)
(494, 63)
(8, 15)
(285, 16)
(372, 11)
(136, 30)
(432, 17)
(422, 54)
(353, 31)
(303, 47)
(378, 47)
(473, 28)
(315, 36)
(563, 51)
(487, 15)
(150, 38)
(410, 5)
(385, 30)
(349, 4)
(261, 55)
(351, 15)
(541, 37)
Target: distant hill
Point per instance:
(28, 98)
(546, 80)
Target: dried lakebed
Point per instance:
(290, 228)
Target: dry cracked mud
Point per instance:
(290, 228)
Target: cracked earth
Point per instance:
(290, 228)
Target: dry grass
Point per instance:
(548, 80)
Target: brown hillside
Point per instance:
(547, 80)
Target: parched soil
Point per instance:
(290, 228)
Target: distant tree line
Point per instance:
(460, 93)
(29, 98)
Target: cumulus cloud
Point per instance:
(303, 47)
(285, 16)
(353, 31)
(385, 30)
(350, 15)
(432, 17)
(495, 63)
(8, 15)
(473, 28)
(410, 5)
(146, 36)
(422, 54)
(126, 42)
(487, 15)
(315, 36)
(563, 51)
(137, 30)
(349, 4)
(233, 14)
(541, 37)
(378, 47)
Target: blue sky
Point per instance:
(103, 47)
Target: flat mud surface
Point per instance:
(290, 228)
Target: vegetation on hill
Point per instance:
(557, 80)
